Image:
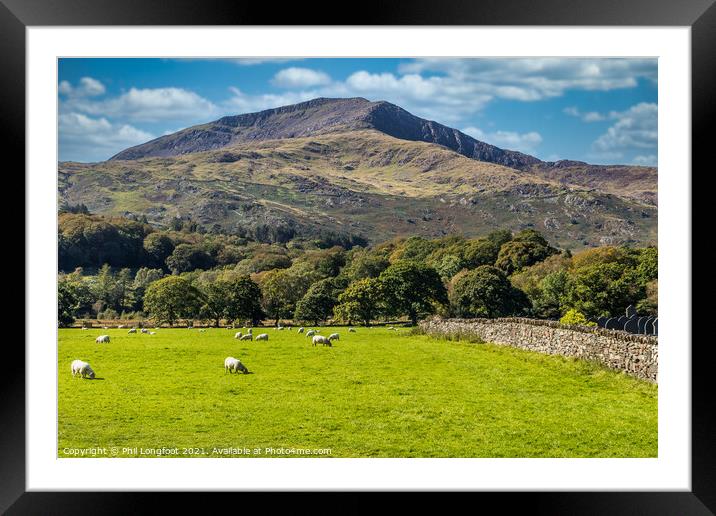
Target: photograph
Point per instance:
(357, 257)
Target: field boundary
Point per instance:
(636, 355)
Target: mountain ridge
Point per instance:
(321, 116)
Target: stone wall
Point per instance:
(636, 355)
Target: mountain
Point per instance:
(350, 166)
(322, 116)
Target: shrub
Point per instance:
(575, 318)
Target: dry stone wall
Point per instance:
(637, 355)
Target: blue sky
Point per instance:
(595, 110)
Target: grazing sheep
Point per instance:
(234, 365)
(310, 333)
(334, 336)
(279, 328)
(250, 330)
(237, 335)
(320, 339)
(102, 338)
(133, 330)
(263, 336)
(352, 330)
(300, 330)
(152, 333)
(120, 326)
(144, 330)
(105, 327)
(248, 336)
(82, 368)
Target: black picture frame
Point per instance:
(700, 15)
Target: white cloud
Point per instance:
(649, 160)
(435, 98)
(87, 87)
(295, 77)
(95, 139)
(148, 105)
(636, 128)
(65, 88)
(531, 79)
(590, 116)
(253, 61)
(523, 142)
(241, 102)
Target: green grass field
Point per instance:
(376, 393)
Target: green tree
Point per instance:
(124, 281)
(188, 257)
(361, 301)
(486, 292)
(526, 248)
(232, 298)
(172, 298)
(68, 303)
(365, 263)
(412, 289)
(647, 268)
(105, 287)
(158, 247)
(142, 279)
(414, 248)
(482, 251)
(449, 265)
(604, 289)
(318, 303)
(546, 285)
(499, 237)
(282, 289)
(650, 304)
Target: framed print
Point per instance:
(423, 257)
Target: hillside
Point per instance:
(360, 182)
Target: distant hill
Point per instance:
(365, 168)
(321, 116)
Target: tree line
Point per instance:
(215, 278)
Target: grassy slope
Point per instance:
(377, 393)
(364, 182)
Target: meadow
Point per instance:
(375, 393)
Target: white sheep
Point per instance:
(144, 330)
(102, 338)
(300, 330)
(310, 333)
(263, 336)
(237, 335)
(248, 336)
(320, 339)
(120, 326)
(133, 330)
(152, 333)
(82, 368)
(334, 336)
(234, 365)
